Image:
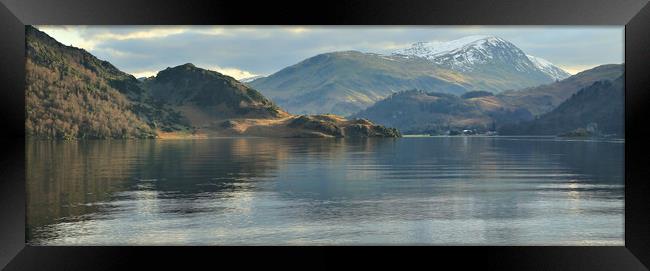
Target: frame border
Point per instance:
(634, 14)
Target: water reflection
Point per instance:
(443, 190)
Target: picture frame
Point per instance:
(634, 14)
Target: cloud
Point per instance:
(68, 35)
(146, 73)
(253, 50)
(117, 53)
(577, 68)
(213, 31)
(232, 72)
(146, 34)
(298, 30)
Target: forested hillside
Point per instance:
(72, 94)
(593, 111)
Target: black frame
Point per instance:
(634, 14)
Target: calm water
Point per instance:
(430, 190)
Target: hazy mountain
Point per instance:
(595, 110)
(346, 82)
(544, 98)
(71, 94)
(417, 111)
(423, 112)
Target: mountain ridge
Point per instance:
(71, 94)
(417, 111)
(346, 82)
(465, 53)
(597, 109)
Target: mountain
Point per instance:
(347, 82)
(544, 98)
(415, 112)
(216, 96)
(219, 105)
(72, 94)
(548, 68)
(594, 110)
(480, 54)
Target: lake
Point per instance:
(269, 191)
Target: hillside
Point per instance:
(219, 105)
(436, 113)
(346, 82)
(216, 95)
(72, 94)
(544, 98)
(595, 110)
(485, 58)
(417, 111)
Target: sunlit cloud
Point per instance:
(576, 68)
(298, 30)
(147, 73)
(117, 53)
(245, 51)
(213, 31)
(232, 72)
(146, 34)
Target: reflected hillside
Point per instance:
(449, 178)
(70, 180)
(443, 190)
(73, 179)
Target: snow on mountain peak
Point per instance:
(435, 48)
(465, 53)
(548, 68)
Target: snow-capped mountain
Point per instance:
(346, 82)
(474, 53)
(548, 67)
(432, 50)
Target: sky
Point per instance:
(247, 51)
